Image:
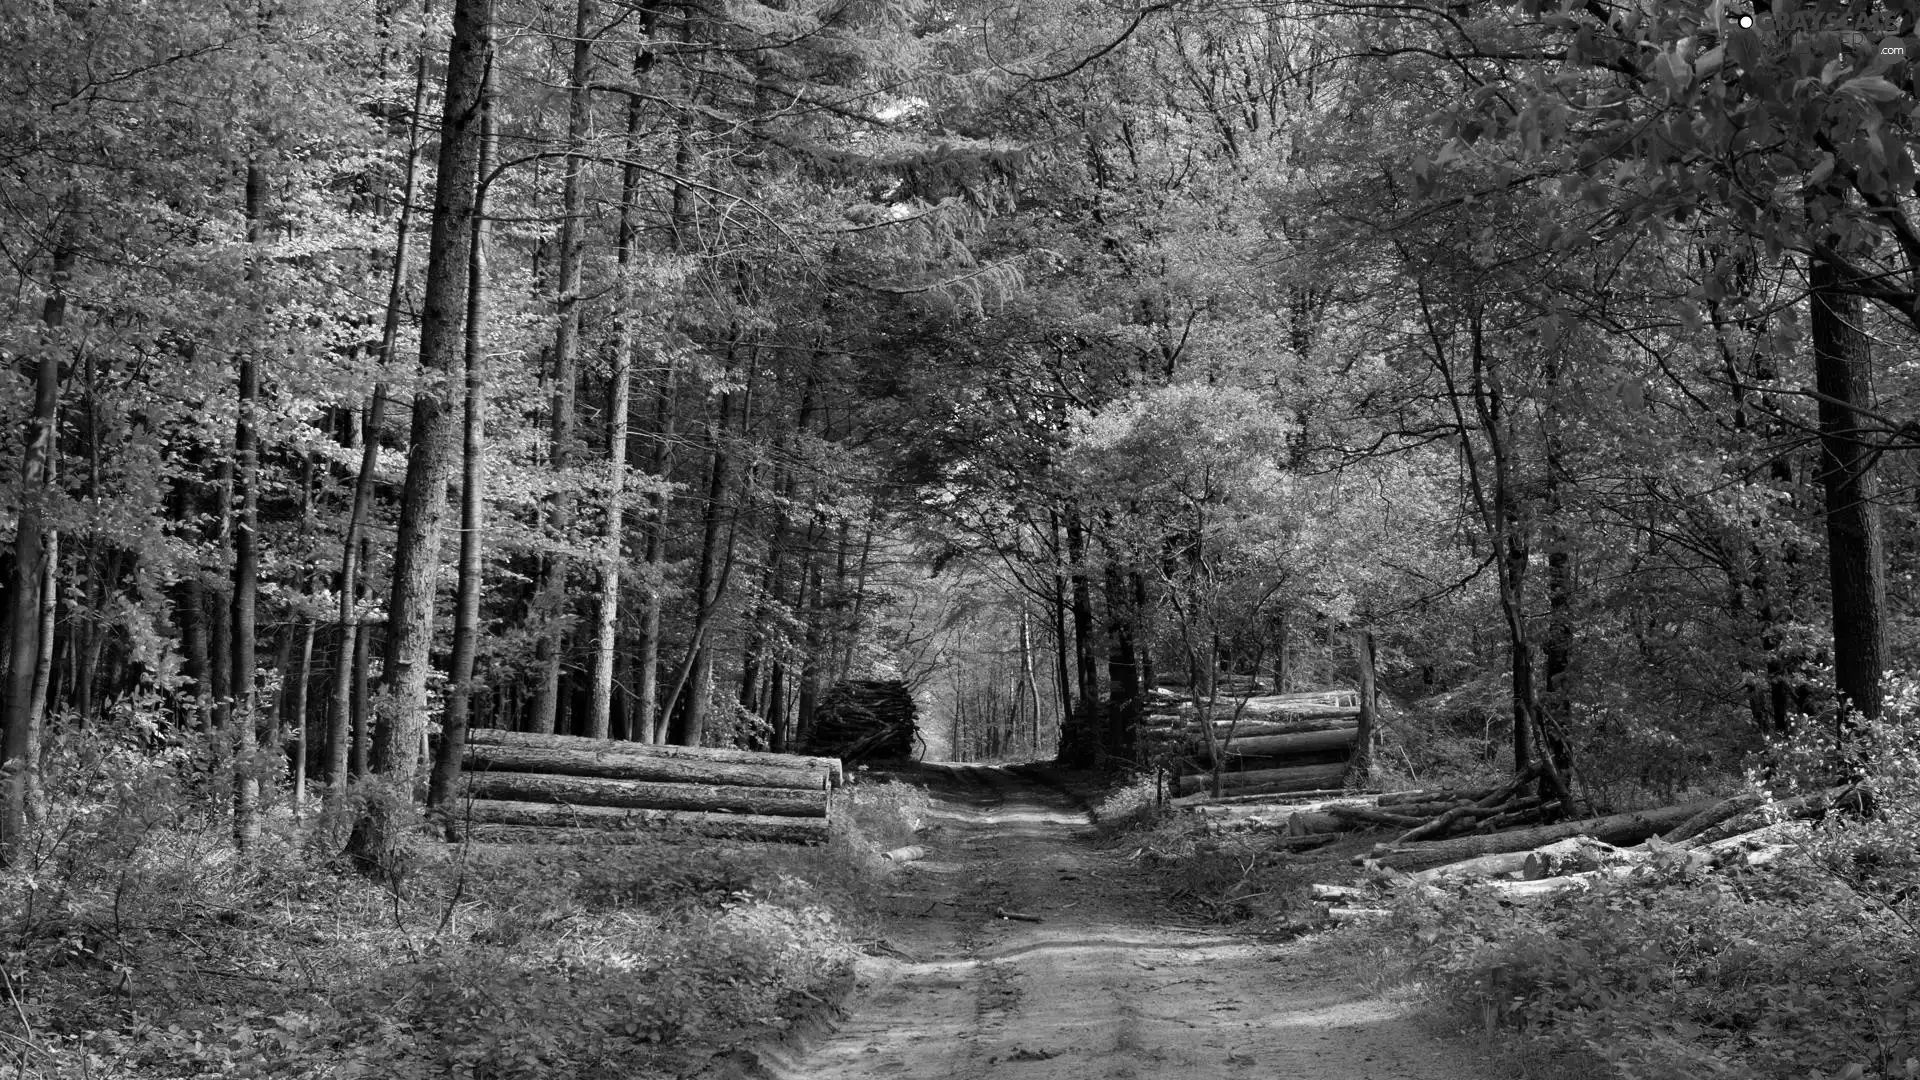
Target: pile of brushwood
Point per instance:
(1498, 836)
(865, 720)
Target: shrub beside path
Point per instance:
(1017, 949)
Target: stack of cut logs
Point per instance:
(865, 719)
(1268, 745)
(562, 789)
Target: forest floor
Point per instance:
(1105, 981)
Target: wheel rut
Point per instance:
(1100, 986)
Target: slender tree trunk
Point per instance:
(246, 558)
(549, 647)
(619, 394)
(344, 756)
(1081, 741)
(647, 638)
(297, 709)
(1360, 765)
(43, 666)
(23, 615)
(1058, 608)
(1123, 676)
(399, 724)
(473, 493)
(1856, 551)
(810, 664)
(686, 701)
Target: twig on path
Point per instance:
(1016, 916)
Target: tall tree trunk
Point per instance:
(1081, 740)
(646, 695)
(1360, 765)
(1123, 673)
(23, 614)
(619, 395)
(810, 665)
(351, 657)
(1058, 607)
(1856, 552)
(686, 702)
(246, 557)
(399, 724)
(451, 752)
(549, 646)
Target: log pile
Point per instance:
(1712, 834)
(563, 789)
(865, 719)
(1272, 744)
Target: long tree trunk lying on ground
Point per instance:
(1618, 829)
(641, 795)
(614, 749)
(1301, 778)
(1254, 712)
(491, 821)
(1340, 738)
(640, 765)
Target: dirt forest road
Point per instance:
(1104, 986)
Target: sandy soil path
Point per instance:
(1104, 986)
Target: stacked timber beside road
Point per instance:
(523, 788)
(1270, 744)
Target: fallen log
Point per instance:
(637, 794)
(500, 822)
(1355, 914)
(1306, 843)
(1277, 798)
(1450, 796)
(1714, 815)
(1264, 709)
(1315, 821)
(1336, 738)
(1617, 829)
(1257, 729)
(625, 764)
(1337, 893)
(1574, 855)
(1468, 814)
(1485, 866)
(1361, 817)
(1264, 781)
(836, 773)
(1850, 797)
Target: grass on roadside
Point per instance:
(140, 945)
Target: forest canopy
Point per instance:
(374, 371)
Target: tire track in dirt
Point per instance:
(1102, 988)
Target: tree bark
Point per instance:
(246, 556)
(1856, 552)
(1274, 781)
(399, 724)
(549, 646)
(473, 490)
(1360, 765)
(686, 701)
(23, 614)
(645, 795)
(498, 822)
(1617, 829)
(637, 762)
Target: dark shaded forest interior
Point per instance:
(963, 381)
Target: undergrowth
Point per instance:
(140, 945)
(1807, 969)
